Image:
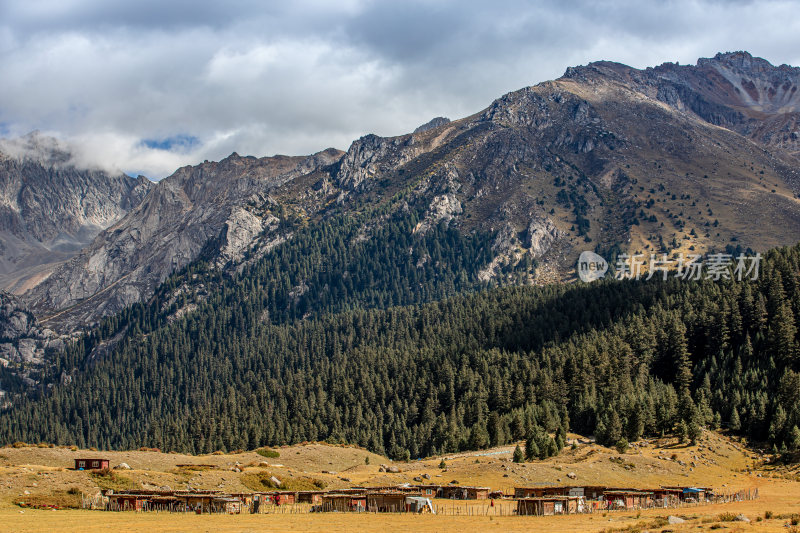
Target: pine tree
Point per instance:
(783, 334)
(794, 438)
(683, 431)
(734, 423)
(621, 445)
(518, 455)
(531, 448)
(679, 352)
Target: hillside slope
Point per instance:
(228, 368)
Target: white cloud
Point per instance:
(295, 78)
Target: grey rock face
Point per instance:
(50, 209)
(371, 155)
(540, 236)
(25, 346)
(240, 230)
(212, 204)
(442, 208)
(433, 123)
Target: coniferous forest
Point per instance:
(398, 347)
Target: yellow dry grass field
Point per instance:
(41, 473)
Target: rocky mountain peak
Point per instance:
(744, 61)
(50, 207)
(35, 146)
(433, 123)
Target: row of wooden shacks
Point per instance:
(359, 499)
(538, 500)
(553, 500)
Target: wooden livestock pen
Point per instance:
(628, 499)
(550, 505)
(126, 502)
(200, 501)
(228, 505)
(667, 497)
(344, 503)
(386, 502)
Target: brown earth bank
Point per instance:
(41, 475)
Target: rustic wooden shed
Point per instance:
(589, 492)
(91, 464)
(685, 493)
(126, 502)
(198, 501)
(344, 502)
(540, 492)
(431, 491)
(226, 504)
(283, 497)
(628, 499)
(386, 502)
(455, 492)
(313, 497)
(550, 505)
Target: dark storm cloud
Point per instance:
(124, 80)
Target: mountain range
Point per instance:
(609, 158)
(314, 288)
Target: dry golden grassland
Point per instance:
(41, 475)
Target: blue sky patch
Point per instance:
(176, 143)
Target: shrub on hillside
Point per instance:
(266, 452)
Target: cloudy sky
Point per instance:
(150, 85)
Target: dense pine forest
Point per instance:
(389, 341)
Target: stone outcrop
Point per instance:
(25, 346)
(432, 124)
